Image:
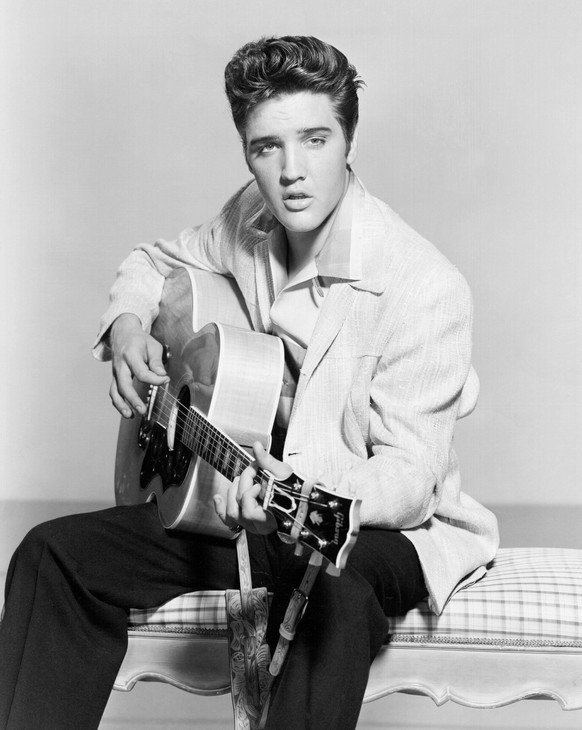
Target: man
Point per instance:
(376, 327)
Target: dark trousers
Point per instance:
(72, 580)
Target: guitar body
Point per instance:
(227, 372)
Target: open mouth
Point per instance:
(296, 201)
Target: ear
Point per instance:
(352, 148)
(244, 149)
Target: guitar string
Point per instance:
(216, 438)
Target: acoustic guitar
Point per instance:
(196, 435)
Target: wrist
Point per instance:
(126, 321)
(123, 325)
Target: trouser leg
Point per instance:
(68, 590)
(324, 678)
(72, 580)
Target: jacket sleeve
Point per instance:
(416, 396)
(138, 285)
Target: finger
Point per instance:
(118, 402)
(246, 480)
(249, 508)
(155, 353)
(252, 513)
(125, 387)
(138, 367)
(232, 503)
(220, 507)
(278, 469)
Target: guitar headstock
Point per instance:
(315, 517)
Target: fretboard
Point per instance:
(210, 444)
(204, 439)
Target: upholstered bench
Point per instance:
(515, 634)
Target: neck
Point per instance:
(303, 247)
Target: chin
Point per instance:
(297, 225)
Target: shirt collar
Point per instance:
(352, 252)
(339, 258)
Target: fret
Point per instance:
(228, 466)
(214, 458)
(206, 442)
(214, 447)
(237, 469)
(225, 454)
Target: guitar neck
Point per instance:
(214, 446)
(312, 515)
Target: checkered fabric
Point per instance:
(530, 597)
(189, 613)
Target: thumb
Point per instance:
(154, 356)
(278, 469)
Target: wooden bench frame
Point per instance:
(515, 634)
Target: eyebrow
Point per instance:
(305, 132)
(314, 130)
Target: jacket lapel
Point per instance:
(264, 285)
(337, 304)
(368, 236)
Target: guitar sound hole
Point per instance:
(169, 464)
(181, 455)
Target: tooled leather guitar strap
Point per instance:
(247, 612)
(252, 672)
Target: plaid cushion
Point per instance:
(529, 597)
(204, 610)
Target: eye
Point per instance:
(316, 141)
(267, 147)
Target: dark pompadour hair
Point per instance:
(272, 66)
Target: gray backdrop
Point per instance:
(114, 130)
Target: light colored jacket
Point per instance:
(386, 375)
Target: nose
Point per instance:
(293, 167)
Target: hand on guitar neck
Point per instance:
(241, 507)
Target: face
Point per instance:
(296, 149)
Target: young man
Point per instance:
(376, 328)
